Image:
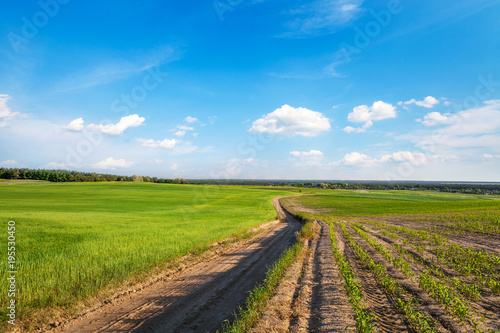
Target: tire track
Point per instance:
(331, 311)
(320, 301)
(199, 298)
(301, 304)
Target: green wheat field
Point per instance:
(74, 240)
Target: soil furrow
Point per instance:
(427, 305)
(388, 319)
(484, 305)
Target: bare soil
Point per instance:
(311, 297)
(199, 298)
(427, 306)
(388, 319)
(488, 303)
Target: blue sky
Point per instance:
(321, 89)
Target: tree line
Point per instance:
(452, 187)
(76, 176)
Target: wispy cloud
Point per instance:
(321, 17)
(6, 113)
(167, 143)
(116, 69)
(112, 163)
(308, 158)
(428, 102)
(468, 132)
(414, 158)
(11, 164)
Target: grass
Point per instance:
(76, 241)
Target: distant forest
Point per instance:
(454, 187)
(76, 176)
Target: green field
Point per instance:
(344, 203)
(78, 241)
(75, 240)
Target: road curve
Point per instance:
(201, 297)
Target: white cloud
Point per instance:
(156, 161)
(378, 111)
(6, 113)
(174, 167)
(363, 113)
(190, 119)
(180, 134)
(416, 159)
(359, 114)
(233, 167)
(428, 102)
(75, 125)
(9, 163)
(185, 128)
(350, 129)
(436, 118)
(59, 166)
(116, 129)
(195, 135)
(490, 157)
(111, 164)
(291, 121)
(406, 156)
(353, 158)
(312, 152)
(308, 158)
(158, 144)
(476, 122)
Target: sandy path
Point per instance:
(311, 297)
(199, 298)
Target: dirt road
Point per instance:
(199, 298)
